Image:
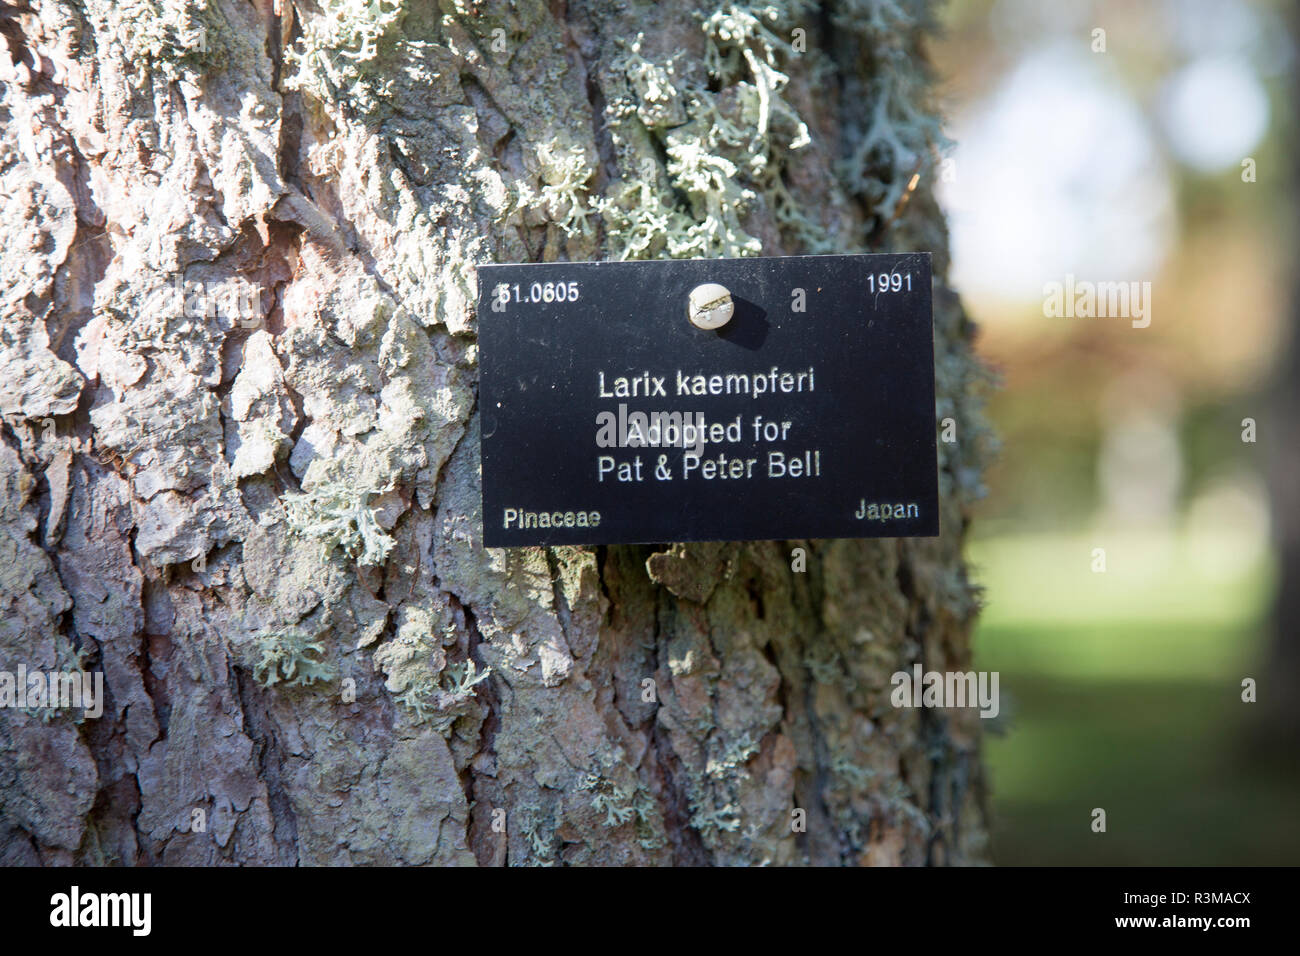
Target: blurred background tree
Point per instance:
(1134, 142)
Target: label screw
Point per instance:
(710, 306)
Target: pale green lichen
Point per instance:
(712, 795)
(292, 655)
(888, 790)
(730, 145)
(740, 45)
(68, 660)
(710, 820)
(440, 700)
(858, 776)
(541, 842)
(718, 201)
(623, 804)
(657, 86)
(898, 797)
(168, 34)
(416, 673)
(564, 185)
(895, 141)
(332, 59)
(744, 49)
(336, 511)
(726, 150)
(734, 756)
(645, 222)
(825, 666)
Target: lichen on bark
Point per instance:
(214, 504)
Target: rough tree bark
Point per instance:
(258, 512)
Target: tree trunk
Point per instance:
(240, 450)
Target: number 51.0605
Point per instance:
(538, 292)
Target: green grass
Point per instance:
(1123, 691)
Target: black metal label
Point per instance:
(609, 417)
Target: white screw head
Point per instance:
(710, 306)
